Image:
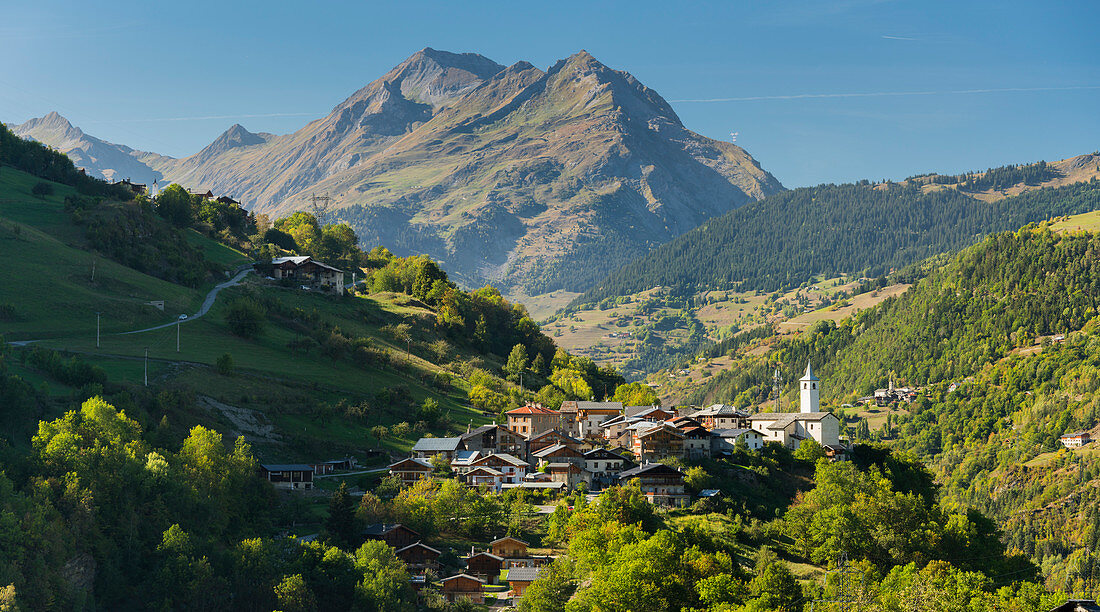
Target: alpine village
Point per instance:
(503, 337)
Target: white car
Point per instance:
(182, 317)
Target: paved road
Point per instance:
(206, 304)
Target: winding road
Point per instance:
(207, 303)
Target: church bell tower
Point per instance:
(809, 389)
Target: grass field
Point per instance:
(1086, 222)
(215, 251)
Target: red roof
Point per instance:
(532, 409)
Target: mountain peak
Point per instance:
(52, 127)
(236, 136)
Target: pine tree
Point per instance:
(339, 527)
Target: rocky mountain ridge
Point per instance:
(533, 180)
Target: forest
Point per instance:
(1003, 342)
(792, 237)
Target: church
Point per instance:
(791, 428)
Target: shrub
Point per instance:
(245, 317)
(42, 189)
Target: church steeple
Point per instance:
(809, 388)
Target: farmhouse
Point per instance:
(306, 271)
(1076, 439)
(292, 476)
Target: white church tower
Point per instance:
(809, 391)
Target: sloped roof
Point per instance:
(729, 433)
(505, 457)
(417, 545)
(416, 460)
(296, 260)
(642, 433)
(506, 538)
(523, 574)
(384, 528)
(484, 553)
(532, 409)
(550, 450)
(287, 467)
(436, 444)
(809, 375)
(641, 411)
(649, 468)
(488, 470)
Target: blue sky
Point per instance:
(818, 91)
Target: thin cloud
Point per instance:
(203, 118)
(880, 94)
(889, 37)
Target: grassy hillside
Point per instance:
(295, 403)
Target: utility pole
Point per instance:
(97, 329)
(146, 366)
(177, 335)
(93, 269)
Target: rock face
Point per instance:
(533, 180)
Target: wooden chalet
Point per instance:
(484, 476)
(662, 485)
(551, 437)
(509, 547)
(569, 473)
(463, 586)
(493, 439)
(656, 441)
(558, 453)
(410, 469)
(395, 534)
(484, 565)
(511, 468)
(418, 556)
